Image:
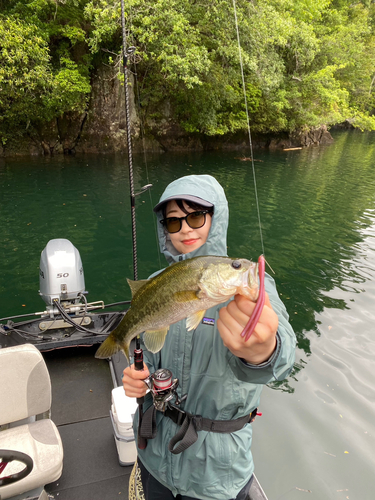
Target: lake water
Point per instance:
(316, 438)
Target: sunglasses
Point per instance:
(195, 220)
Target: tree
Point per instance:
(43, 72)
(305, 63)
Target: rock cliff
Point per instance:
(102, 129)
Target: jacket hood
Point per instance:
(208, 189)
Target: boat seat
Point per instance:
(25, 426)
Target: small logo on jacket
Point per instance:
(208, 321)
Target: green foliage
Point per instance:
(24, 75)
(305, 63)
(44, 63)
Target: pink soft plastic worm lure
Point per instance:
(254, 318)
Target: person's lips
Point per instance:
(189, 242)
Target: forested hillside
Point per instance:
(306, 62)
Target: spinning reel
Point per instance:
(163, 388)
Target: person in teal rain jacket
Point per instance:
(221, 374)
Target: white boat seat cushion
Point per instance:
(41, 441)
(25, 383)
(25, 391)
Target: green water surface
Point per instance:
(316, 438)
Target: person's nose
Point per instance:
(185, 228)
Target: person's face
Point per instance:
(187, 239)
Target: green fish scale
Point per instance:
(152, 300)
(154, 306)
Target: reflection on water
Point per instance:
(317, 209)
(325, 430)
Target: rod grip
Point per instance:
(138, 365)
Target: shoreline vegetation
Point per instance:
(308, 66)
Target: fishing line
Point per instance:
(248, 125)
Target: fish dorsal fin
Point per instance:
(193, 321)
(154, 339)
(186, 296)
(136, 285)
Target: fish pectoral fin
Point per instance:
(193, 321)
(136, 285)
(186, 296)
(154, 339)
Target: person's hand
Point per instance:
(233, 319)
(132, 381)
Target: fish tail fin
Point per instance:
(108, 348)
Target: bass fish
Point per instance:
(185, 289)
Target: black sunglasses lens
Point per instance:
(173, 224)
(196, 219)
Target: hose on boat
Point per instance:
(78, 327)
(106, 306)
(10, 326)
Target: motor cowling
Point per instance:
(61, 272)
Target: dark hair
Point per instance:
(191, 204)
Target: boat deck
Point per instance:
(81, 400)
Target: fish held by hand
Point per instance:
(185, 289)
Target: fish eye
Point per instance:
(236, 264)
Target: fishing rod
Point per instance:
(126, 52)
(138, 353)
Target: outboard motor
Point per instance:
(61, 273)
